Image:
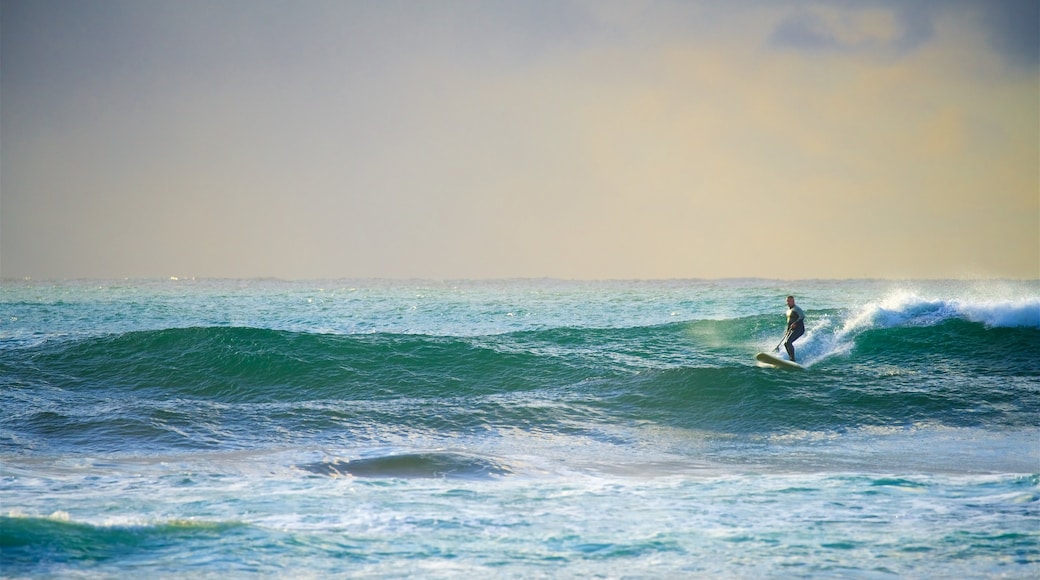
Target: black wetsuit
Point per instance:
(797, 330)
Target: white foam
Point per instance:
(1004, 313)
(909, 309)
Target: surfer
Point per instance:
(795, 326)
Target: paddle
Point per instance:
(777, 347)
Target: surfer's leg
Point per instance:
(788, 344)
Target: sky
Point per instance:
(575, 139)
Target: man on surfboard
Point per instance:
(795, 326)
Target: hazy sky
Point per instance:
(527, 138)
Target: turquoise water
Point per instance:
(524, 428)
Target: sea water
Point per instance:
(523, 428)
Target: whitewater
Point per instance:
(520, 428)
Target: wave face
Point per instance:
(437, 429)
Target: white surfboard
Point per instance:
(777, 362)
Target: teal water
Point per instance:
(523, 428)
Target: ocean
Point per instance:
(518, 428)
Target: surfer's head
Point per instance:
(790, 301)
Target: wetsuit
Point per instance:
(796, 328)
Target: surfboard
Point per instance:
(777, 362)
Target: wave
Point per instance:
(905, 308)
(234, 365)
(432, 465)
(898, 361)
(249, 364)
(31, 545)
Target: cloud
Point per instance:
(830, 28)
(895, 28)
(1014, 30)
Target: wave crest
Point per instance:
(908, 309)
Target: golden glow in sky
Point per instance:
(467, 139)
